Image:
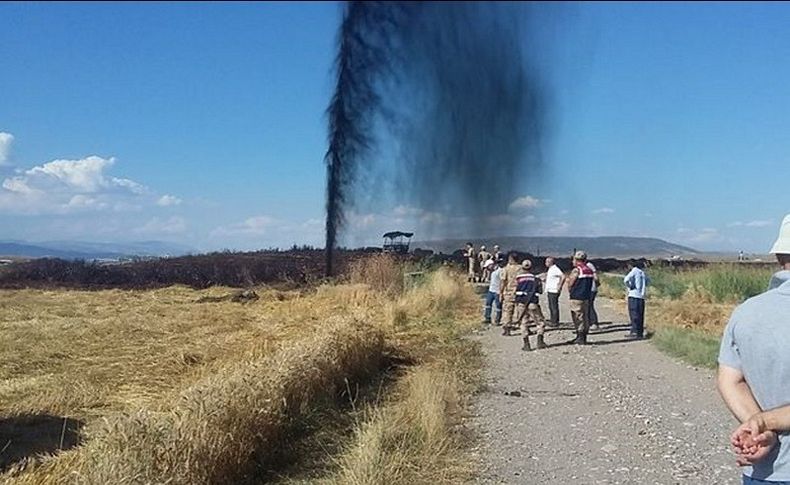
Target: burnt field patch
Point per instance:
(234, 269)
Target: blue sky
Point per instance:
(204, 124)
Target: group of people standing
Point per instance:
(512, 300)
(754, 362)
(482, 263)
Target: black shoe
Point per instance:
(541, 343)
(574, 341)
(526, 346)
(581, 339)
(633, 336)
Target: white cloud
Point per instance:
(604, 210)
(558, 228)
(6, 139)
(82, 201)
(758, 223)
(404, 210)
(525, 202)
(63, 186)
(361, 221)
(172, 225)
(253, 226)
(85, 175)
(67, 186)
(266, 231)
(168, 200)
(704, 235)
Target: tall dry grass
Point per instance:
(174, 391)
(694, 310)
(89, 354)
(213, 431)
(381, 272)
(411, 439)
(116, 355)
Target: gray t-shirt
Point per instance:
(757, 342)
(778, 279)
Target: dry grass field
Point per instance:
(154, 386)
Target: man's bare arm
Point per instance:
(736, 393)
(776, 419)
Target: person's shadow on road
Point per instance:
(608, 329)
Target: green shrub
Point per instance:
(731, 283)
(667, 283)
(694, 347)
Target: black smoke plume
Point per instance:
(450, 90)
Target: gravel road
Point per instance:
(610, 412)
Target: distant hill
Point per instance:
(89, 250)
(596, 247)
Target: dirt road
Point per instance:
(610, 412)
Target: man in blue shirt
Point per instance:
(492, 297)
(636, 281)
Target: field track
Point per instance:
(611, 412)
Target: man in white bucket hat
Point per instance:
(754, 372)
(781, 249)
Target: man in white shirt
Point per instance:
(555, 278)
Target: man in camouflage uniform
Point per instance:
(580, 284)
(471, 261)
(528, 287)
(507, 289)
(485, 270)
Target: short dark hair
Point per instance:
(783, 258)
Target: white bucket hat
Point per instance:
(782, 244)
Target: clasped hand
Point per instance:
(752, 441)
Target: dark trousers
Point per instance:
(756, 481)
(492, 300)
(554, 308)
(592, 315)
(636, 311)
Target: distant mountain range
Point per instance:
(596, 247)
(90, 250)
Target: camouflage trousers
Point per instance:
(522, 314)
(530, 313)
(580, 313)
